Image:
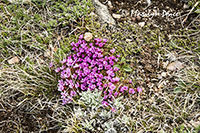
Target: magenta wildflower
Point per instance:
(118, 56)
(116, 60)
(112, 86)
(110, 93)
(130, 81)
(77, 85)
(57, 70)
(69, 62)
(72, 44)
(116, 69)
(108, 67)
(139, 89)
(105, 40)
(64, 61)
(112, 50)
(99, 84)
(111, 62)
(81, 37)
(83, 87)
(115, 94)
(64, 94)
(101, 44)
(100, 88)
(92, 87)
(105, 85)
(51, 65)
(71, 84)
(122, 89)
(125, 88)
(72, 93)
(131, 91)
(105, 103)
(105, 97)
(109, 72)
(112, 57)
(116, 79)
(97, 40)
(105, 63)
(64, 101)
(113, 109)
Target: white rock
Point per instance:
(128, 40)
(110, 4)
(141, 24)
(185, 6)
(159, 76)
(148, 2)
(164, 64)
(163, 74)
(93, 14)
(177, 65)
(195, 123)
(88, 36)
(117, 16)
(13, 60)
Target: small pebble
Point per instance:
(88, 36)
(13, 60)
(93, 14)
(133, 19)
(164, 64)
(138, 18)
(110, 4)
(185, 6)
(117, 16)
(163, 74)
(177, 65)
(128, 40)
(141, 24)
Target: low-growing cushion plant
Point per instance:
(89, 67)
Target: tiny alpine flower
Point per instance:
(113, 109)
(131, 91)
(139, 89)
(112, 50)
(51, 65)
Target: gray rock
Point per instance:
(103, 13)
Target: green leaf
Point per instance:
(123, 60)
(127, 68)
(197, 11)
(177, 90)
(118, 66)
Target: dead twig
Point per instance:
(190, 12)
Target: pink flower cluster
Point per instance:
(89, 68)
